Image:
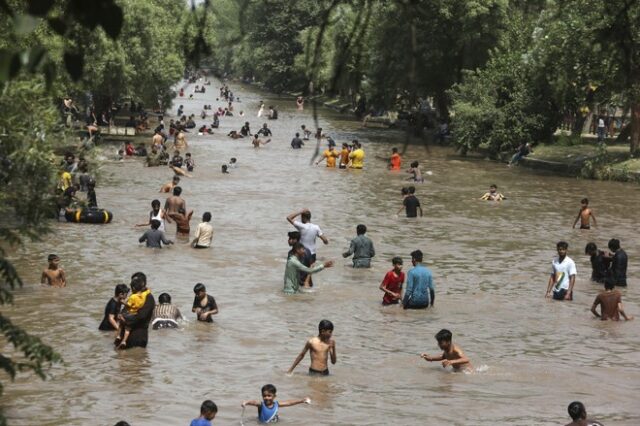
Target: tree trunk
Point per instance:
(635, 129)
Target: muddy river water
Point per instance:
(490, 264)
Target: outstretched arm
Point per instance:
(428, 357)
(299, 357)
(253, 403)
(290, 402)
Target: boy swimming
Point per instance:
(54, 275)
(268, 407)
(493, 194)
(452, 355)
(320, 347)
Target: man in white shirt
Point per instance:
(563, 274)
(308, 230)
(204, 233)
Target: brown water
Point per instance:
(490, 264)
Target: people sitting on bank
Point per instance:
(522, 151)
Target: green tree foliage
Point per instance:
(28, 125)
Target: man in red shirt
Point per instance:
(392, 283)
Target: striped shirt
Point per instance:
(166, 311)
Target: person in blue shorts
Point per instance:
(268, 407)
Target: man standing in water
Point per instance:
(361, 248)
(563, 274)
(420, 292)
(308, 230)
(295, 266)
(174, 203)
(139, 323)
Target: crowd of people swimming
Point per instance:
(129, 316)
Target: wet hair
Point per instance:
(325, 325)
(294, 235)
(208, 406)
(493, 185)
(121, 289)
(155, 224)
(233, 160)
(139, 276)
(306, 215)
(396, 260)
(176, 179)
(412, 190)
(164, 298)
(394, 149)
(444, 335)
(614, 244)
(122, 423)
(562, 245)
(577, 411)
(136, 285)
(188, 154)
(52, 257)
(206, 216)
(590, 247)
(268, 388)
(177, 191)
(361, 229)
(297, 135)
(224, 168)
(609, 284)
(415, 164)
(585, 201)
(198, 288)
(155, 203)
(404, 190)
(417, 255)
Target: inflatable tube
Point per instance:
(88, 216)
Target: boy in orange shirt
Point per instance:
(395, 162)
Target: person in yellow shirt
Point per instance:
(395, 162)
(132, 306)
(330, 154)
(65, 180)
(356, 157)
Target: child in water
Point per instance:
(585, 215)
(415, 171)
(452, 355)
(268, 408)
(493, 194)
(320, 348)
(132, 306)
(54, 274)
(392, 283)
(208, 411)
(188, 162)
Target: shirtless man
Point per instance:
(610, 302)
(257, 141)
(175, 202)
(320, 348)
(585, 215)
(168, 187)
(452, 355)
(180, 142)
(578, 414)
(54, 275)
(157, 139)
